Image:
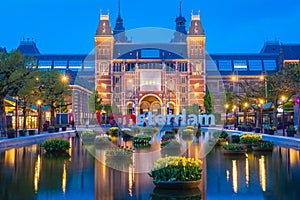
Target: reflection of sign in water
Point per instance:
(150, 81)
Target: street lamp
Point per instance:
(17, 121)
(39, 102)
(226, 114)
(245, 113)
(261, 102)
(282, 100)
(235, 118)
(64, 80)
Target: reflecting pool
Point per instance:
(29, 173)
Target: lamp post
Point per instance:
(17, 121)
(245, 113)
(226, 114)
(64, 79)
(39, 116)
(261, 102)
(282, 100)
(235, 118)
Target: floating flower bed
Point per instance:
(114, 130)
(263, 146)
(141, 139)
(176, 172)
(56, 145)
(234, 149)
(249, 139)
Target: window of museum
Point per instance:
(183, 89)
(183, 100)
(117, 100)
(183, 80)
(117, 90)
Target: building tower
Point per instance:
(104, 46)
(119, 30)
(180, 34)
(196, 58)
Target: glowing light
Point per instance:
(234, 176)
(246, 105)
(227, 175)
(283, 98)
(37, 169)
(262, 173)
(130, 180)
(262, 77)
(64, 179)
(247, 171)
(226, 106)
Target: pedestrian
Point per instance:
(179, 121)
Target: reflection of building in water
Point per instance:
(156, 77)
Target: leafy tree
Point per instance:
(13, 72)
(52, 90)
(94, 102)
(209, 102)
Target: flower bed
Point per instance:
(190, 127)
(172, 172)
(114, 130)
(56, 145)
(262, 145)
(137, 130)
(141, 139)
(249, 139)
(88, 136)
(187, 131)
(150, 130)
(234, 149)
(103, 141)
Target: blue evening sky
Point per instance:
(68, 26)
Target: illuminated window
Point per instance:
(240, 65)
(196, 86)
(103, 86)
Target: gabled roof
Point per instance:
(104, 26)
(196, 27)
(28, 47)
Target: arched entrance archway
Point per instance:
(151, 103)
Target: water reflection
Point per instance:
(35, 175)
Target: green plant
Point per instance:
(249, 138)
(119, 152)
(137, 130)
(103, 141)
(176, 169)
(291, 128)
(235, 138)
(141, 139)
(223, 134)
(263, 144)
(88, 135)
(168, 137)
(187, 131)
(233, 147)
(56, 145)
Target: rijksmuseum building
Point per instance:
(158, 77)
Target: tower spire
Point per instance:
(180, 9)
(119, 8)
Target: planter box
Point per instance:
(249, 129)
(290, 133)
(262, 149)
(64, 128)
(56, 129)
(257, 130)
(234, 151)
(271, 132)
(22, 133)
(177, 184)
(11, 134)
(31, 132)
(50, 130)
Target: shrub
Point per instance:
(56, 145)
(223, 134)
(170, 144)
(250, 139)
(235, 138)
(141, 139)
(176, 169)
(233, 147)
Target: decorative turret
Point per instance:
(119, 30)
(104, 25)
(180, 34)
(196, 26)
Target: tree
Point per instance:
(209, 102)
(52, 90)
(13, 72)
(94, 102)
